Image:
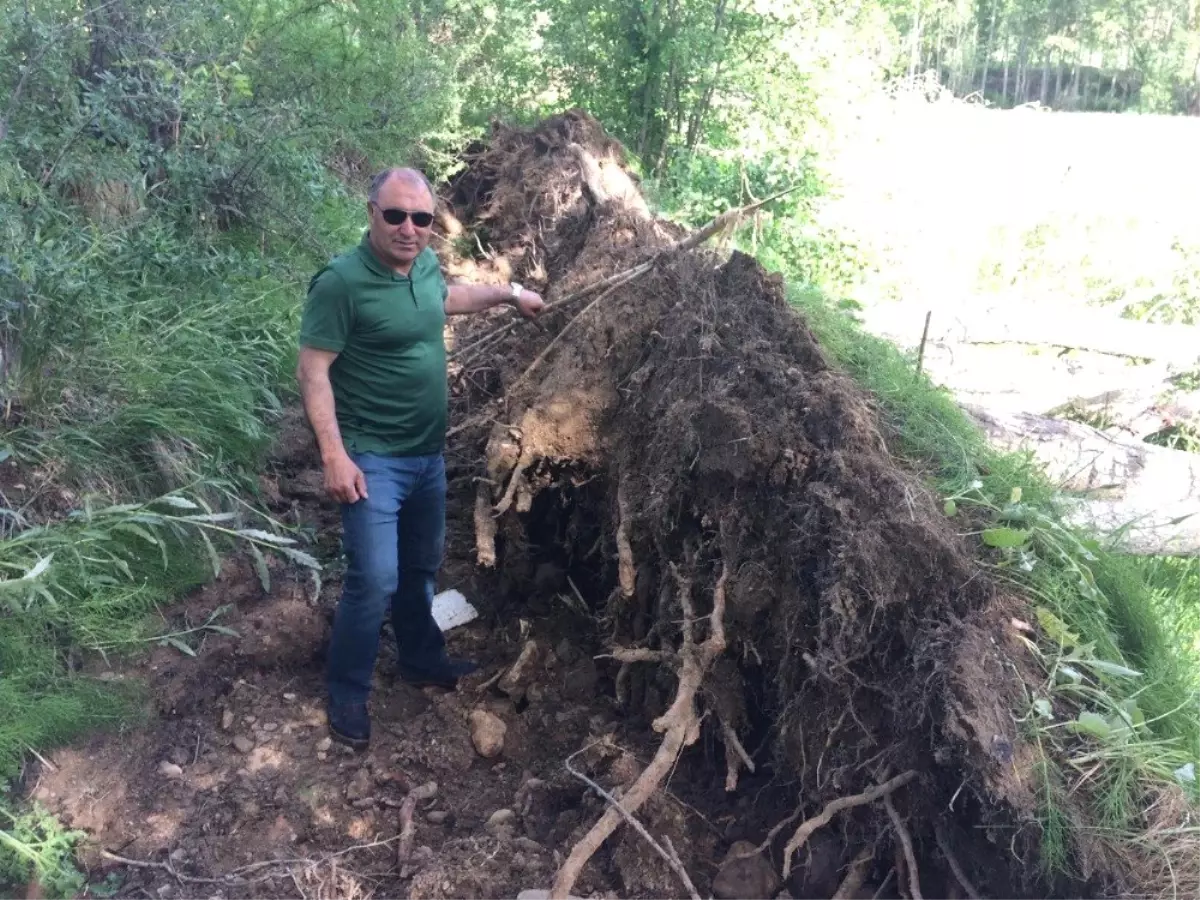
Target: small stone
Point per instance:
(290, 698)
(437, 816)
(178, 854)
(270, 726)
(501, 823)
(322, 755)
(227, 720)
(359, 786)
(364, 803)
(166, 890)
(250, 720)
(395, 758)
(487, 733)
(169, 769)
(749, 876)
(243, 743)
(324, 744)
(426, 791)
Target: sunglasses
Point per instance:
(399, 216)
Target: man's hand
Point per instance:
(529, 304)
(344, 481)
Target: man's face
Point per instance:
(400, 244)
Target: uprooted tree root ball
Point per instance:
(727, 506)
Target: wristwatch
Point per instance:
(515, 291)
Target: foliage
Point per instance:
(37, 847)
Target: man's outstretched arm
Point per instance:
(463, 299)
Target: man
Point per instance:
(372, 373)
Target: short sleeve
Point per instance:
(328, 317)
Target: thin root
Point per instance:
(735, 757)
(944, 845)
(833, 807)
(910, 859)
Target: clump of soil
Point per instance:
(688, 428)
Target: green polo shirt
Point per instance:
(389, 379)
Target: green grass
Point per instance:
(1101, 613)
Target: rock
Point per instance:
(324, 744)
(502, 823)
(426, 791)
(322, 755)
(359, 786)
(364, 803)
(529, 845)
(270, 726)
(289, 697)
(169, 769)
(243, 743)
(540, 894)
(487, 733)
(437, 816)
(752, 876)
(513, 681)
(227, 720)
(178, 854)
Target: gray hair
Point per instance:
(412, 176)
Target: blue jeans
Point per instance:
(393, 541)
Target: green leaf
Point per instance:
(260, 566)
(1110, 668)
(299, 556)
(1043, 708)
(1090, 723)
(1056, 629)
(136, 530)
(1006, 537)
(223, 629)
(179, 645)
(212, 555)
(950, 507)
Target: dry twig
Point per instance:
(679, 725)
(910, 858)
(833, 807)
(944, 845)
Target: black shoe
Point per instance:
(350, 724)
(445, 675)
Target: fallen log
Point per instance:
(1146, 499)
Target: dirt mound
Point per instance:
(684, 459)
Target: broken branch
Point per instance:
(910, 859)
(833, 807)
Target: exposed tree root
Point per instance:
(944, 844)
(670, 857)
(625, 564)
(910, 858)
(833, 807)
(679, 725)
(735, 757)
(524, 461)
(407, 830)
(485, 527)
(856, 876)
